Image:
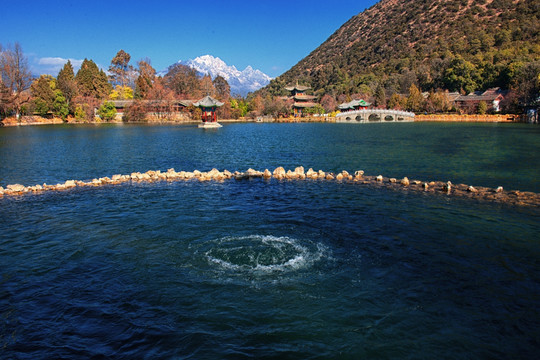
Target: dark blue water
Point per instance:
(256, 269)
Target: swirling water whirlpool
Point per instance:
(261, 254)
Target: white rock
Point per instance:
(280, 171)
(405, 181)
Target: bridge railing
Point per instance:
(377, 111)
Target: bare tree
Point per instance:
(121, 72)
(16, 76)
(223, 90)
(145, 80)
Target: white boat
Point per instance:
(210, 125)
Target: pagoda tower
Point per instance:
(301, 99)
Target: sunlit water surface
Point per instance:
(269, 269)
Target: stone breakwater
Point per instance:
(513, 197)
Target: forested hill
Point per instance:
(458, 45)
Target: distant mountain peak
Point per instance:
(241, 82)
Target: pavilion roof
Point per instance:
(304, 104)
(353, 104)
(304, 97)
(208, 101)
(297, 88)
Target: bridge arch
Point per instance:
(374, 117)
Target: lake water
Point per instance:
(269, 269)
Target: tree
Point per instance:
(328, 103)
(43, 95)
(256, 106)
(65, 82)
(60, 105)
(107, 111)
(161, 104)
(223, 90)
(462, 75)
(92, 81)
(135, 112)
(145, 80)
(275, 106)
(380, 96)
(527, 84)
(397, 102)
(183, 80)
(16, 76)
(121, 93)
(437, 102)
(120, 69)
(239, 107)
(415, 101)
(482, 107)
(207, 86)
(5, 98)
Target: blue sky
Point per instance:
(269, 35)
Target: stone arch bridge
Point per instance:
(374, 115)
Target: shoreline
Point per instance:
(450, 118)
(498, 118)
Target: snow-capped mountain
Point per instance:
(241, 82)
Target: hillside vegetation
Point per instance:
(456, 45)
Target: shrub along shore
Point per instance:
(498, 195)
(38, 120)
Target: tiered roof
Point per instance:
(298, 88)
(306, 104)
(304, 97)
(208, 102)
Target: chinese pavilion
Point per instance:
(354, 105)
(301, 100)
(208, 106)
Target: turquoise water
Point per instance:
(477, 154)
(255, 269)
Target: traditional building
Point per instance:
(354, 105)
(469, 103)
(301, 99)
(208, 106)
(176, 109)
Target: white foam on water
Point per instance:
(263, 254)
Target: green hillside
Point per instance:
(456, 45)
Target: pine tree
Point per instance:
(91, 81)
(65, 82)
(43, 94)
